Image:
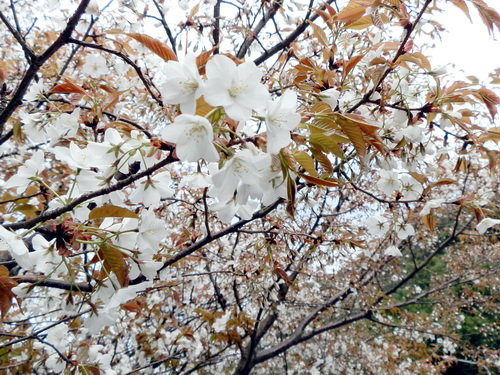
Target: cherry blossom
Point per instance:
(151, 189)
(193, 136)
(13, 242)
(243, 172)
(403, 230)
(393, 251)
(227, 210)
(429, 205)
(151, 231)
(280, 120)
(94, 155)
(330, 97)
(27, 173)
(235, 87)
(388, 182)
(410, 188)
(220, 324)
(377, 225)
(183, 84)
(486, 223)
(95, 66)
(35, 92)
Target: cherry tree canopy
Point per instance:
(244, 187)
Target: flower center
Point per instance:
(237, 88)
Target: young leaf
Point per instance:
(67, 87)
(330, 182)
(430, 221)
(354, 133)
(111, 211)
(322, 159)
(351, 12)
(306, 162)
(462, 5)
(490, 99)
(488, 15)
(114, 261)
(6, 294)
(319, 34)
(155, 46)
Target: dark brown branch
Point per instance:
(392, 65)
(27, 50)
(165, 26)
(293, 35)
(146, 81)
(35, 334)
(253, 34)
(37, 62)
(230, 229)
(447, 242)
(285, 345)
(57, 284)
(47, 215)
(216, 32)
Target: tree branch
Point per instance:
(293, 35)
(253, 34)
(391, 67)
(47, 215)
(37, 62)
(146, 81)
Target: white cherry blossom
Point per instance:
(280, 120)
(486, 223)
(330, 97)
(27, 172)
(388, 182)
(393, 251)
(151, 189)
(236, 88)
(403, 230)
(35, 92)
(434, 203)
(14, 244)
(243, 172)
(94, 155)
(183, 84)
(193, 136)
(151, 231)
(377, 225)
(95, 66)
(410, 188)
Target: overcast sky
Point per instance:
(467, 45)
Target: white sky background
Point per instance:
(466, 45)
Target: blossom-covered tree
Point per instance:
(244, 187)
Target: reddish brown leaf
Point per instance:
(351, 12)
(330, 182)
(430, 221)
(111, 211)
(6, 294)
(154, 45)
(114, 261)
(351, 64)
(490, 99)
(202, 60)
(67, 87)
